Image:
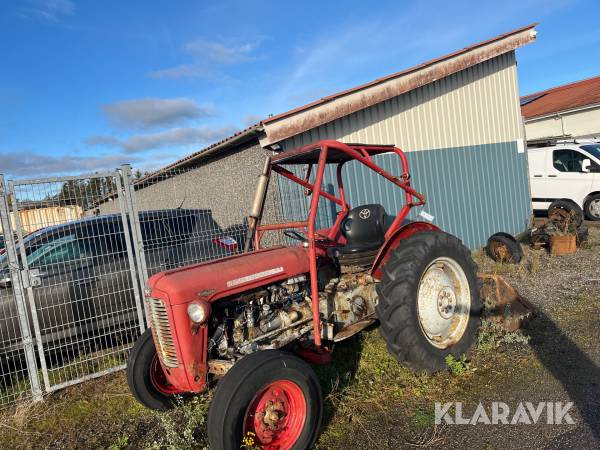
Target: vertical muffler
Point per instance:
(258, 204)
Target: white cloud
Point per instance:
(252, 119)
(23, 164)
(170, 138)
(49, 10)
(181, 71)
(205, 56)
(205, 50)
(154, 112)
(391, 41)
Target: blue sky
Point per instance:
(87, 85)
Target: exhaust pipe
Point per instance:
(258, 204)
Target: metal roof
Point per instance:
(561, 98)
(309, 154)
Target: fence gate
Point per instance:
(18, 370)
(78, 276)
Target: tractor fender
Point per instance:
(394, 241)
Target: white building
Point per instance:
(568, 111)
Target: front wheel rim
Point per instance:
(276, 416)
(500, 251)
(158, 378)
(443, 302)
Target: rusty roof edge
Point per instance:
(591, 105)
(275, 132)
(397, 74)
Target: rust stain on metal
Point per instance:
(339, 105)
(206, 293)
(351, 330)
(219, 367)
(197, 370)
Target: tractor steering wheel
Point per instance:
(299, 236)
(293, 234)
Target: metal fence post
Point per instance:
(136, 231)
(123, 189)
(17, 285)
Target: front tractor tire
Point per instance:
(145, 375)
(269, 399)
(429, 304)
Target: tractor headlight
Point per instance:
(198, 312)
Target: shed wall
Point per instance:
(225, 184)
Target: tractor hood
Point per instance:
(213, 280)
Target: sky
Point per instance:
(88, 85)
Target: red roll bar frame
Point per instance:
(343, 153)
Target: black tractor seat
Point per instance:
(364, 229)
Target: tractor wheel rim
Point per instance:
(443, 302)
(595, 208)
(501, 251)
(159, 379)
(276, 416)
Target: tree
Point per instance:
(86, 193)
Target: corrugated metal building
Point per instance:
(568, 111)
(458, 118)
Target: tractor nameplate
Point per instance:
(254, 276)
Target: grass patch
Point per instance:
(120, 444)
(371, 401)
(458, 366)
(492, 336)
(423, 419)
(185, 427)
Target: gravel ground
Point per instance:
(546, 280)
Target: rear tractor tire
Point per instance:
(429, 305)
(269, 399)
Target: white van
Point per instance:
(569, 173)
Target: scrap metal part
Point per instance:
(504, 304)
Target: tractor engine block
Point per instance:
(266, 318)
(274, 316)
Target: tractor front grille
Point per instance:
(161, 330)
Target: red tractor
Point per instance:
(254, 321)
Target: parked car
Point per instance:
(80, 271)
(566, 176)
